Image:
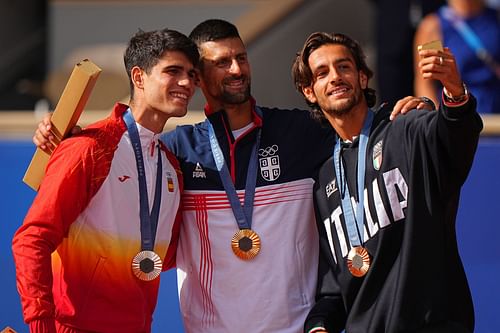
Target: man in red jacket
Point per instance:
(105, 221)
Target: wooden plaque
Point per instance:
(65, 116)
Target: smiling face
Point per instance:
(337, 85)
(225, 71)
(169, 85)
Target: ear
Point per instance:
(136, 75)
(197, 80)
(309, 94)
(363, 80)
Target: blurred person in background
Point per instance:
(472, 30)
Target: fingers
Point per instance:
(43, 137)
(433, 64)
(403, 106)
(409, 103)
(441, 66)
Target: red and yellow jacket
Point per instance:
(73, 252)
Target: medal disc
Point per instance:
(245, 244)
(358, 261)
(146, 265)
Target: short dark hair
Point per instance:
(302, 75)
(212, 30)
(146, 48)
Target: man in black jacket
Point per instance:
(387, 200)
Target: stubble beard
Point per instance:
(344, 108)
(236, 98)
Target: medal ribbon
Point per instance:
(243, 214)
(354, 224)
(149, 223)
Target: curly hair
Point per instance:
(302, 75)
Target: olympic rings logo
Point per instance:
(269, 151)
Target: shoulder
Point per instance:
(429, 29)
(184, 131)
(98, 138)
(184, 135)
(293, 113)
(294, 118)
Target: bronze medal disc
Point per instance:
(358, 261)
(245, 244)
(146, 265)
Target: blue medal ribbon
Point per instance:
(243, 214)
(354, 224)
(149, 222)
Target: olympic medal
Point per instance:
(245, 244)
(146, 265)
(358, 261)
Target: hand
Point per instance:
(43, 138)
(409, 103)
(441, 65)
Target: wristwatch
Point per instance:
(428, 101)
(456, 99)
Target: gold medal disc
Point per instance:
(358, 261)
(146, 265)
(245, 244)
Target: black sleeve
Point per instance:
(329, 311)
(443, 143)
(459, 129)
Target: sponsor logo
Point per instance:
(123, 178)
(199, 172)
(330, 188)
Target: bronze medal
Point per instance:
(146, 265)
(245, 244)
(358, 261)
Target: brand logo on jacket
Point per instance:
(198, 171)
(269, 163)
(123, 178)
(330, 188)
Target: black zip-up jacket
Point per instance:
(415, 167)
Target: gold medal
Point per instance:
(358, 261)
(245, 244)
(146, 265)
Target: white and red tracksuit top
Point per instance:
(219, 292)
(84, 222)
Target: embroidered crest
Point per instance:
(377, 155)
(269, 163)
